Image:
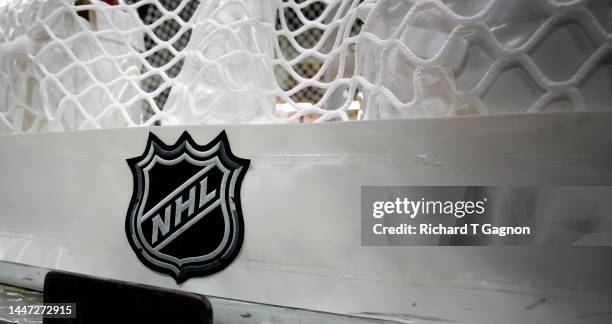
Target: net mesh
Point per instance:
(82, 64)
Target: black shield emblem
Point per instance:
(185, 217)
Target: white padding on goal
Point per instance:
(64, 198)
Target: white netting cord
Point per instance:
(236, 69)
(334, 52)
(227, 75)
(75, 73)
(478, 57)
(67, 65)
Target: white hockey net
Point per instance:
(85, 64)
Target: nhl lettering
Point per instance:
(181, 211)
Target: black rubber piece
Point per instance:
(111, 301)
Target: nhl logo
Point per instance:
(185, 217)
